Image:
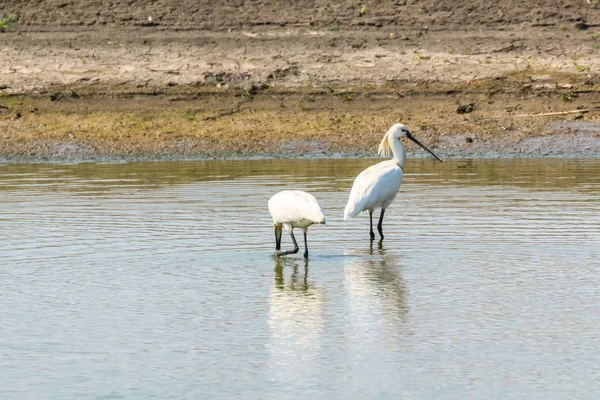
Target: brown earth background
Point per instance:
(92, 80)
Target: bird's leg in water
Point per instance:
(296, 248)
(278, 231)
(379, 246)
(305, 246)
(371, 224)
(380, 224)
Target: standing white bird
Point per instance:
(294, 209)
(378, 185)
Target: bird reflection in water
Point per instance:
(379, 247)
(377, 296)
(295, 320)
(296, 281)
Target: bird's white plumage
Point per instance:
(378, 185)
(295, 209)
(375, 187)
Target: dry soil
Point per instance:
(88, 80)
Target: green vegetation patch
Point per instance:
(7, 20)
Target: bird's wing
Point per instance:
(373, 187)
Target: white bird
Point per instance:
(378, 185)
(294, 209)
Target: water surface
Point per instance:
(157, 280)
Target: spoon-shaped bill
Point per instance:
(411, 137)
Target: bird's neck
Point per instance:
(399, 153)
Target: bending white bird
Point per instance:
(378, 185)
(294, 209)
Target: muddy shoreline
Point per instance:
(70, 124)
(328, 82)
(67, 126)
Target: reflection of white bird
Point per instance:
(378, 185)
(296, 321)
(294, 209)
(377, 301)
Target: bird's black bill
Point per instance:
(411, 137)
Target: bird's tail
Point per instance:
(349, 212)
(322, 220)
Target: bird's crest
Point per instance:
(385, 150)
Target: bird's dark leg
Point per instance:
(277, 238)
(295, 244)
(371, 225)
(380, 224)
(296, 248)
(305, 246)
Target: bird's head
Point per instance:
(396, 132)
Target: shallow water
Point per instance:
(157, 280)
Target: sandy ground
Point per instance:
(139, 79)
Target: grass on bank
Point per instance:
(7, 20)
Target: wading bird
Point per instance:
(378, 185)
(294, 209)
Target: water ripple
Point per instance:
(159, 278)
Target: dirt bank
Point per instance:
(93, 80)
